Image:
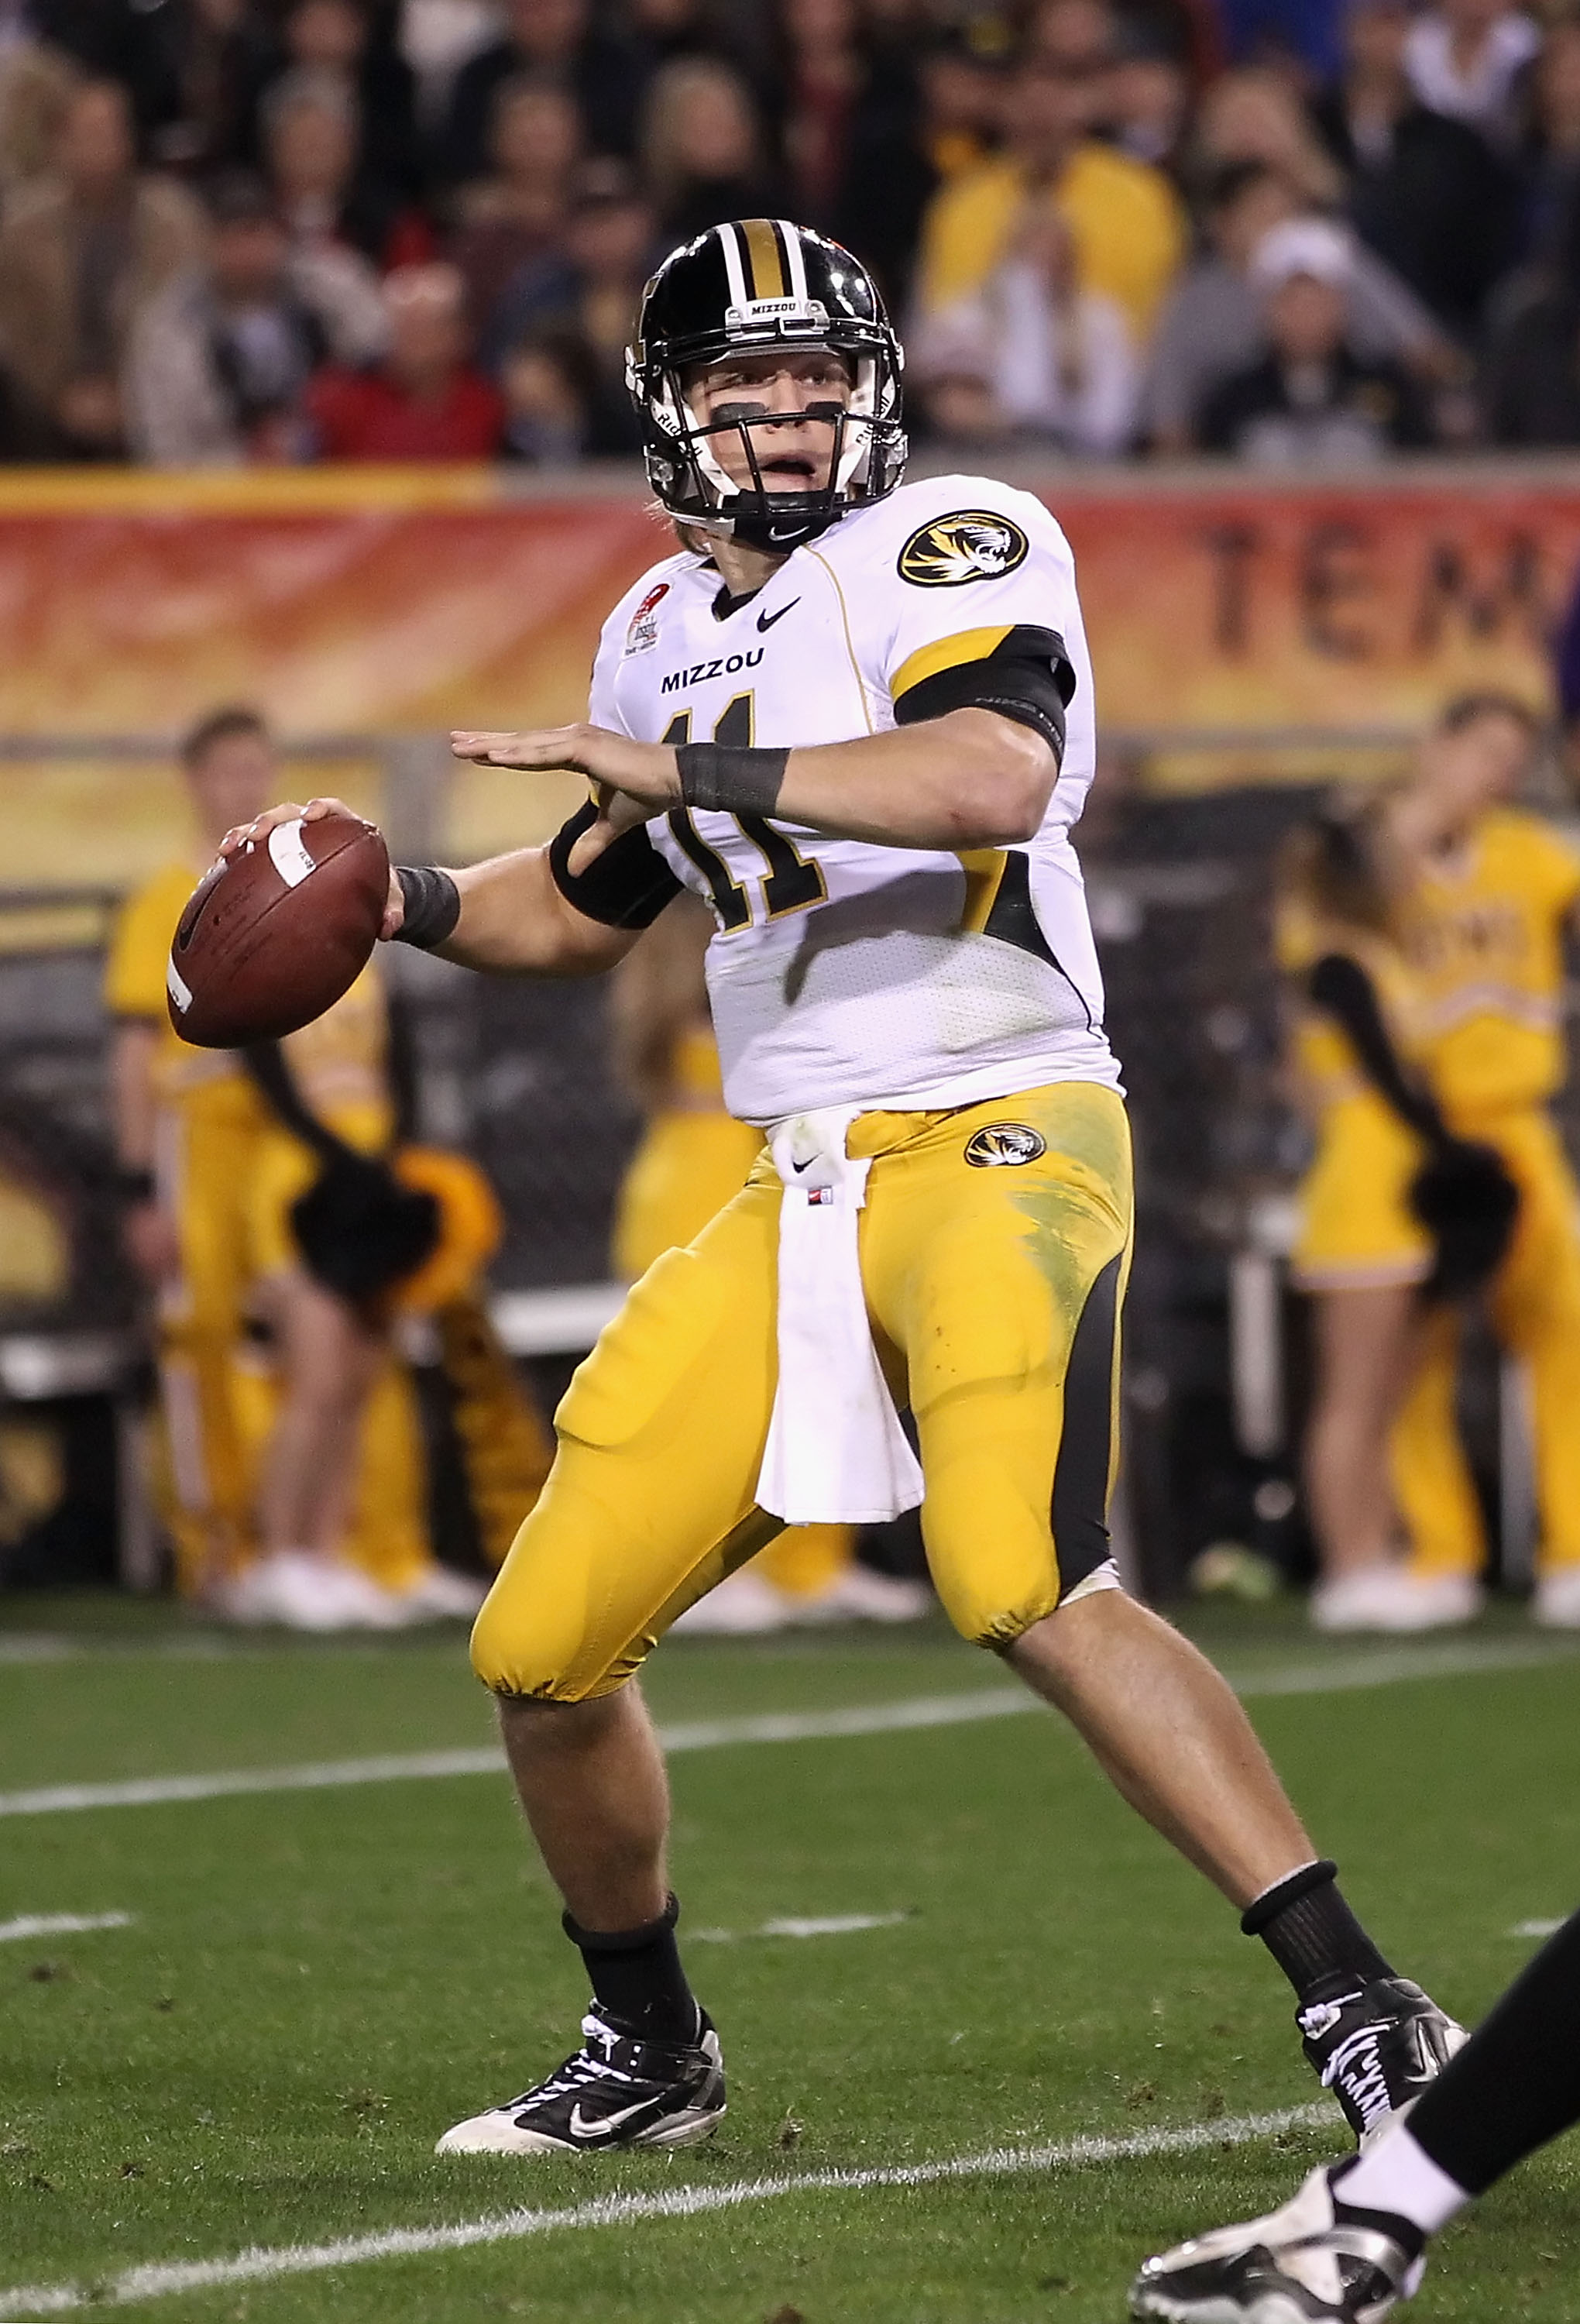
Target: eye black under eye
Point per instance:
(729, 414)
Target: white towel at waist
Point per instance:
(836, 1453)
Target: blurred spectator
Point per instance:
(192, 70)
(1532, 391)
(1299, 39)
(341, 38)
(311, 125)
(592, 290)
(219, 362)
(1212, 325)
(82, 251)
(1030, 356)
(548, 390)
(1126, 220)
(702, 149)
(435, 38)
(1077, 37)
(1426, 193)
(1149, 97)
(424, 402)
(518, 214)
(553, 38)
(660, 30)
(1255, 115)
(929, 113)
(36, 84)
(1465, 59)
(1311, 402)
(1550, 160)
(821, 74)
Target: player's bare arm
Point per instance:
(971, 778)
(514, 919)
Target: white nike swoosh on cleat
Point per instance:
(580, 2127)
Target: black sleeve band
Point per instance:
(1027, 676)
(741, 782)
(626, 887)
(433, 907)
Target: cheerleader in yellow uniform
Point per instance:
(295, 1489)
(1467, 964)
(691, 1159)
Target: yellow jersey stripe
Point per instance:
(762, 250)
(984, 869)
(947, 653)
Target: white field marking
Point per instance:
(1537, 1928)
(829, 1925)
(259, 2265)
(1388, 1666)
(60, 1925)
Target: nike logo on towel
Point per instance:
(767, 621)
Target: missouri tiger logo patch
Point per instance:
(1003, 1144)
(971, 545)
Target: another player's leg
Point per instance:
(649, 1505)
(1352, 2242)
(1004, 1282)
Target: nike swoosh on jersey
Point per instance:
(606, 2125)
(765, 620)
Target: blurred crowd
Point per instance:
(1288, 231)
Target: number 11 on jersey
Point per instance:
(792, 882)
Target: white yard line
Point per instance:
(1385, 1666)
(60, 1925)
(829, 1925)
(255, 2266)
(1537, 1928)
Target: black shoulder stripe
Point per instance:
(1028, 677)
(627, 887)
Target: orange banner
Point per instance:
(379, 601)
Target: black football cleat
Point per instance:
(615, 2091)
(1377, 2047)
(1302, 2265)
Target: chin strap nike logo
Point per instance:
(604, 2125)
(767, 621)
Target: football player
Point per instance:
(1353, 2242)
(855, 718)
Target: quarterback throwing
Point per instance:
(855, 717)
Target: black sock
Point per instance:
(1517, 2081)
(1312, 1934)
(637, 1980)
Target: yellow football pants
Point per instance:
(1536, 1312)
(692, 1160)
(993, 1288)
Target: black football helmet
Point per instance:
(745, 289)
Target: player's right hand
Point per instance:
(314, 811)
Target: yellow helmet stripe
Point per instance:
(762, 250)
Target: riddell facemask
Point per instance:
(756, 286)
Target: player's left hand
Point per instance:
(643, 771)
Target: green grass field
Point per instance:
(314, 1983)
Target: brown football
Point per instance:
(274, 934)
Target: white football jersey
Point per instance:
(843, 972)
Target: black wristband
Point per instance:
(741, 782)
(433, 907)
(135, 1187)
